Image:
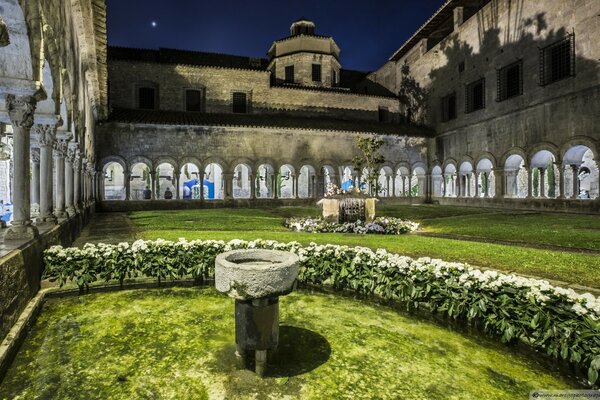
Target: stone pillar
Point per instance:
(274, 187)
(59, 160)
(476, 185)
(468, 184)
(69, 181)
(295, 178)
(153, 184)
(529, 183)
(428, 187)
(387, 186)
(252, 185)
(403, 186)
(542, 191)
(500, 183)
(574, 169)
(228, 186)
(201, 179)
(410, 174)
(35, 176)
(393, 185)
(486, 193)
(20, 111)
(77, 181)
(127, 183)
(176, 178)
(46, 136)
(561, 182)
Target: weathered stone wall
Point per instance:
(220, 83)
(552, 117)
(230, 146)
(302, 63)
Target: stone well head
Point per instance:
(251, 274)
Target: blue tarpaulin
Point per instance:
(209, 188)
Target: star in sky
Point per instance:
(153, 23)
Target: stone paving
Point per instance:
(107, 228)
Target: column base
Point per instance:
(21, 232)
(61, 214)
(2, 223)
(46, 221)
(71, 211)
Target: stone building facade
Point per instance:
(512, 90)
(281, 127)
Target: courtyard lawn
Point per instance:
(249, 224)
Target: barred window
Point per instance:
(557, 61)
(316, 72)
(289, 74)
(448, 107)
(193, 100)
(240, 104)
(146, 97)
(475, 96)
(509, 81)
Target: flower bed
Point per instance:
(381, 225)
(555, 320)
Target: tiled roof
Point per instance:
(186, 57)
(160, 117)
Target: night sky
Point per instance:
(367, 32)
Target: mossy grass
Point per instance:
(177, 343)
(536, 228)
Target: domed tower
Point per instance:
(305, 58)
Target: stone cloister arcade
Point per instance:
(545, 172)
(217, 180)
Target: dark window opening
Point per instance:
(289, 74)
(316, 72)
(239, 102)
(510, 81)
(557, 61)
(384, 114)
(461, 66)
(475, 96)
(146, 98)
(449, 107)
(193, 100)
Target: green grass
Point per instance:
(179, 344)
(227, 224)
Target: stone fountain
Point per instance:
(256, 278)
(342, 209)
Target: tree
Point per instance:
(551, 180)
(371, 158)
(412, 96)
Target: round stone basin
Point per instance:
(250, 274)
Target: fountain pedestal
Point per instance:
(256, 278)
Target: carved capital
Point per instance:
(4, 39)
(21, 110)
(60, 148)
(46, 134)
(35, 156)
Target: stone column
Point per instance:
(127, 183)
(403, 186)
(69, 181)
(574, 169)
(35, 176)
(410, 176)
(428, 187)
(252, 185)
(201, 179)
(46, 136)
(444, 188)
(20, 111)
(274, 187)
(176, 178)
(228, 178)
(529, 183)
(153, 184)
(59, 159)
(295, 178)
(486, 193)
(393, 185)
(77, 181)
(561, 181)
(387, 186)
(476, 185)
(542, 192)
(468, 179)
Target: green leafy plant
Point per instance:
(370, 159)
